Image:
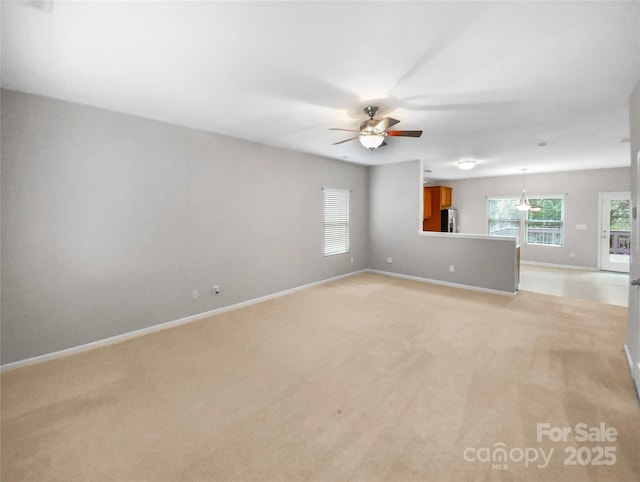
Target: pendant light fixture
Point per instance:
(523, 204)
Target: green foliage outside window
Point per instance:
(504, 218)
(545, 226)
(620, 215)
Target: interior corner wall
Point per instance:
(394, 219)
(580, 189)
(110, 221)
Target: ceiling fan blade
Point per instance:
(346, 140)
(404, 133)
(338, 129)
(437, 48)
(385, 123)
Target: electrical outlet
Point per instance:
(194, 294)
(215, 290)
(451, 268)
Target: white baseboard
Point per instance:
(163, 326)
(629, 360)
(564, 266)
(443, 283)
(631, 373)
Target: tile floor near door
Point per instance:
(603, 286)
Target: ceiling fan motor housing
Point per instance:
(371, 127)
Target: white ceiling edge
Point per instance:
(483, 80)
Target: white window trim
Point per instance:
(498, 198)
(522, 236)
(526, 221)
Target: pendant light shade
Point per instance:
(523, 203)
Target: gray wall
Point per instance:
(109, 222)
(395, 204)
(581, 190)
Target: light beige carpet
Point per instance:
(364, 379)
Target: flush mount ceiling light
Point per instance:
(467, 164)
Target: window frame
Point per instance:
(561, 221)
(489, 220)
(523, 219)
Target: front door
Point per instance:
(615, 234)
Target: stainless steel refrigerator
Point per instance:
(449, 220)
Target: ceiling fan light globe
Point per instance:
(371, 141)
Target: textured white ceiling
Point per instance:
(485, 80)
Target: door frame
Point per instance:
(632, 345)
(602, 197)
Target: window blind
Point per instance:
(336, 222)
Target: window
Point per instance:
(542, 227)
(504, 218)
(336, 222)
(546, 226)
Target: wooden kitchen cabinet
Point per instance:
(426, 201)
(445, 197)
(434, 199)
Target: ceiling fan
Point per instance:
(373, 131)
